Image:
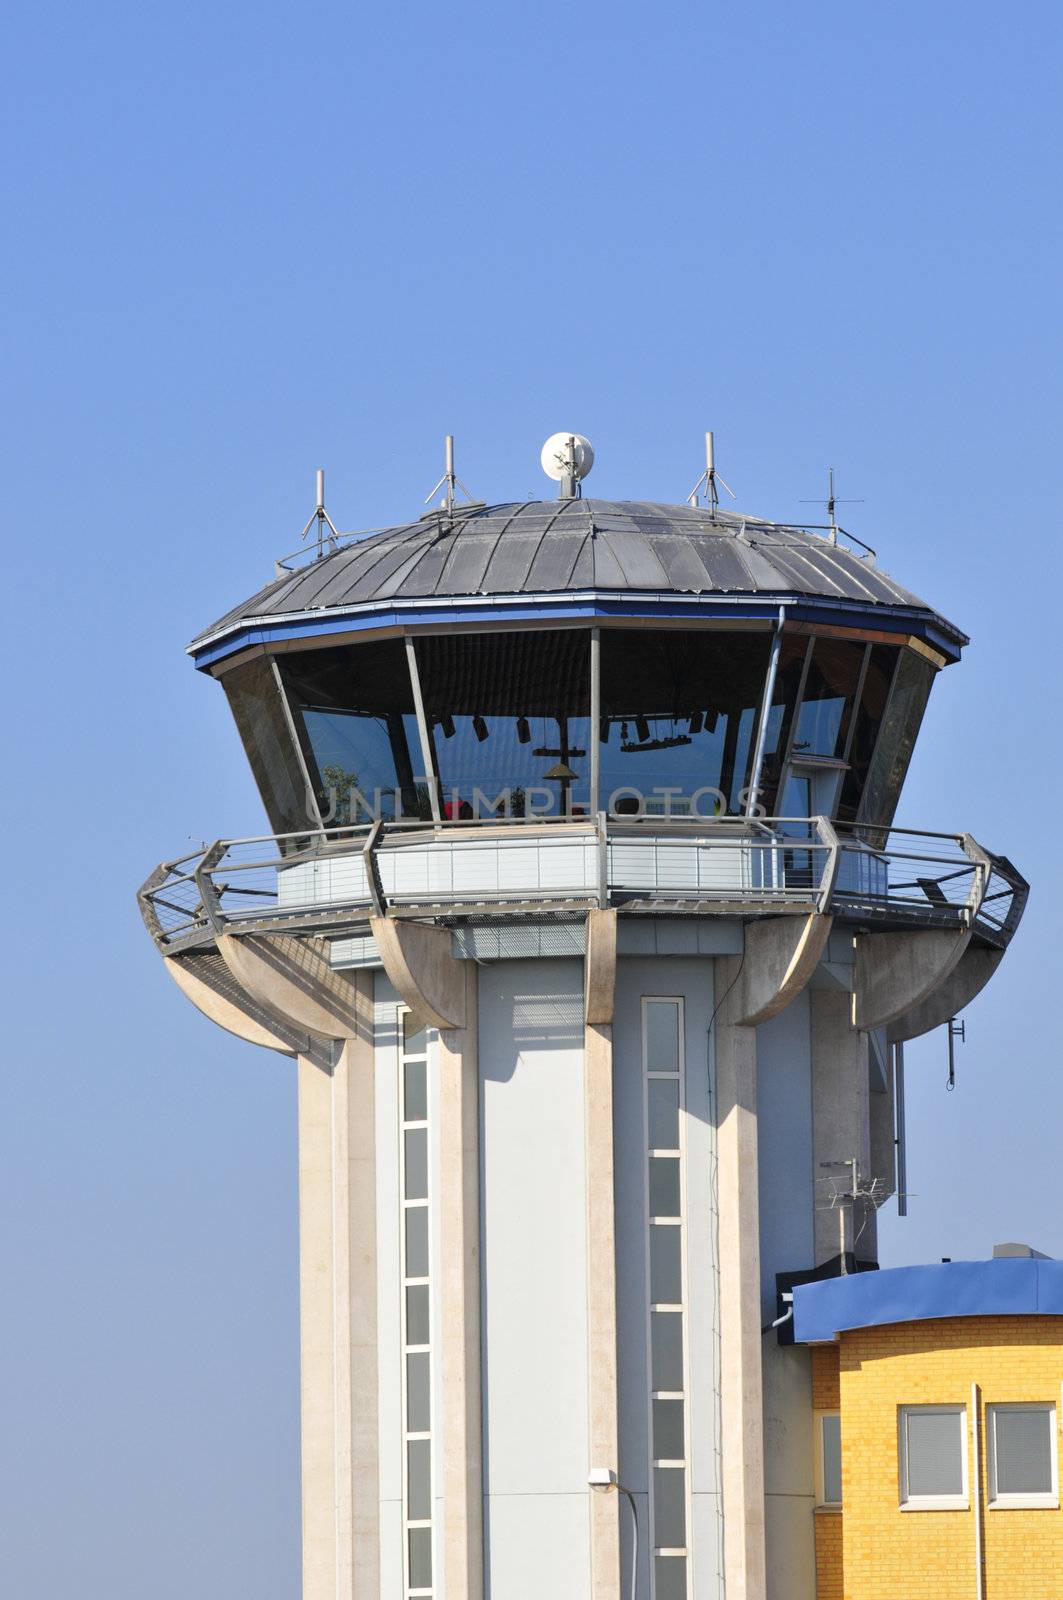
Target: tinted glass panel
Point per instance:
(663, 1113)
(509, 712)
(1023, 1443)
(664, 1186)
(827, 702)
(666, 1343)
(662, 1037)
(419, 1479)
(414, 1035)
(792, 652)
(666, 1265)
(416, 1163)
(417, 1241)
(832, 1459)
(355, 707)
(678, 713)
(417, 1313)
(415, 1092)
(668, 1442)
(669, 1508)
(897, 736)
(670, 1578)
(869, 716)
(418, 1393)
(420, 1558)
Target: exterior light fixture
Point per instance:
(479, 727)
(604, 1478)
(523, 731)
(447, 725)
(642, 729)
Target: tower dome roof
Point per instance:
(558, 551)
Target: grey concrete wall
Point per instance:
(692, 978)
(787, 1189)
(536, 1510)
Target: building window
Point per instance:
(933, 1458)
(662, 1055)
(416, 1311)
(1021, 1455)
(828, 1458)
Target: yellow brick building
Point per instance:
(937, 1397)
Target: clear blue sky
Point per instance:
(244, 241)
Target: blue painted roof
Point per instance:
(1006, 1287)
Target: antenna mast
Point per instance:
(710, 477)
(450, 480)
(830, 503)
(322, 518)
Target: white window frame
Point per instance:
(932, 1502)
(683, 1308)
(1044, 1500)
(820, 1417)
(405, 1281)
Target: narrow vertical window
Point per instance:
(416, 1310)
(662, 1056)
(828, 1458)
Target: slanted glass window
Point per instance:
(829, 1459)
(909, 694)
(1022, 1455)
(679, 716)
(510, 721)
(793, 651)
(353, 706)
(866, 724)
(933, 1458)
(827, 700)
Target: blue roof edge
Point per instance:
(1004, 1287)
(408, 614)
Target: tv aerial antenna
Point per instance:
(830, 503)
(710, 478)
(321, 517)
(449, 481)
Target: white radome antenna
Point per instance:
(567, 458)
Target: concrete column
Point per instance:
(337, 1253)
(603, 1425)
(840, 1118)
(461, 1463)
(741, 1382)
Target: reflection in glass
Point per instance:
(872, 709)
(827, 699)
(679, 710)
(354, 705)
(509, 711)
(793, 649)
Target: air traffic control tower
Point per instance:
(586, 929)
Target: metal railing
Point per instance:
(735, 866)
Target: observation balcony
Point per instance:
(332, 882)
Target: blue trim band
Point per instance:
(874, 618)
(1007, 1287)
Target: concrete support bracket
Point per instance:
(420, 963)
(781, 954)
(294, 979)
(967, 979)
(896, 972)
